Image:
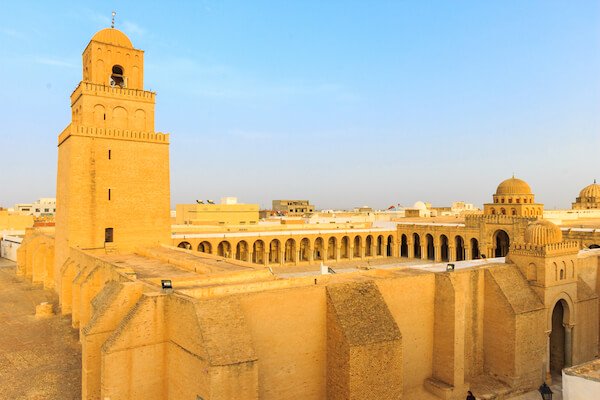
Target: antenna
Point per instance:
(112, 25)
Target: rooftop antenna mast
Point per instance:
(112, 25)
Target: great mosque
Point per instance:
(502, 300)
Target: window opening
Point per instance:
(108, 235)
(117, 78)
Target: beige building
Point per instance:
(14, 221)
(233, 327)
(229, 212)
(293, 207)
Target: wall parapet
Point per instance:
(113, 133)
(474, 220)
(543, 250)
(106, 90)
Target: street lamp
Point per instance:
(545, 392)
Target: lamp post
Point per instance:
(545, 392)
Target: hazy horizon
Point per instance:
(341, 103)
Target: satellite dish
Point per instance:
(112, 82)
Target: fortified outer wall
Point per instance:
(265, 337)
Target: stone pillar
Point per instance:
(310, 255)
(467, 251)
(373, 248)
(451, 253)
(437, 251)
(282, 255)
(297, 259)
(568, 344)
(424, 251)
(325, 251)
(250, 256)
(362, 251)
(266, 255)
(351, 251)
(338, 251)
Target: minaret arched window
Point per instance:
(117, 78)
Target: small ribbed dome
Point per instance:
(542, 232)
(513, 186)
(592, 190)
(113, 36)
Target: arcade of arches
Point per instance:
(296, 248)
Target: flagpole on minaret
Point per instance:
(112, 25)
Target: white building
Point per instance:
(44, 207)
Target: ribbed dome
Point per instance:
(513, 186)
(542, 232)
(592, 190)
(113, 36)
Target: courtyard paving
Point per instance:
(39, 358)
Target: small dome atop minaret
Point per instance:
(542, 232)
(113, 36)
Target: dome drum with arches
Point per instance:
(514, 197)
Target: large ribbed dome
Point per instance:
(513, 186)
(592, 190)
(542, 232)
(113, 36)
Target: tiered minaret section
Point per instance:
(113, 169)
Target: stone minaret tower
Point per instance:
(113, 169)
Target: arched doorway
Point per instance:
(444, 248)
(289, 254)
(205, 247)
(331, 247)
(357, 243)
(224, 249)
(185, 245)
(501, 243)
(416, 245)
(258, 251)
(560, 339)
(475, 249)
(304, 249)
(430, 248)
(318, 253)
(344, 253)
(274, 257)
(241, 251)
(380, 245)
(403, 246)
(459, 244)
(390, 245)
(369, 246)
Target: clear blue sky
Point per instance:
(344, 103)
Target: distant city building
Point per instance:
(363, 209)
(228, 212)
(419, 209)
(44, 207)
(293, 207)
